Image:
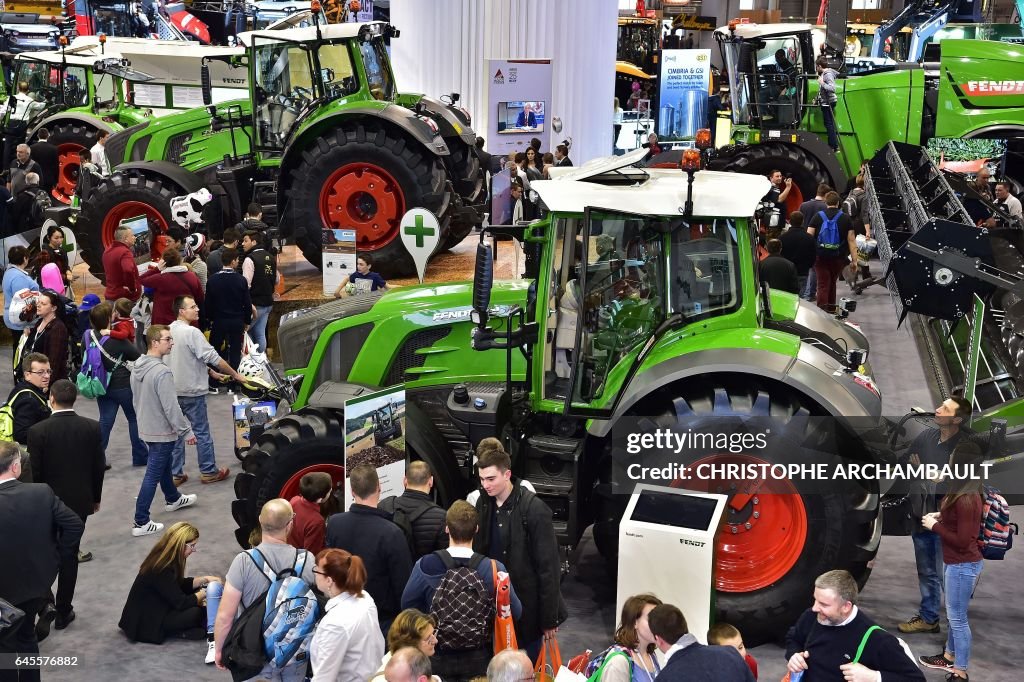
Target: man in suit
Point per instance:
(47, 156)
(562, 155)
(67, 454)
(38, 529)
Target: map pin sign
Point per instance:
(421, 234)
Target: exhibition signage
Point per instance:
(685, 77)
(420, 233)
(339, 247)
(977, 322)
(518, 98)
(691, 22)
(375, 434)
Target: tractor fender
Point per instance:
(448, 120)
(808, 141)
(813, 373)
(398, 119)
(86, 119)
(187, 180)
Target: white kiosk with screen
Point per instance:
(667, 548)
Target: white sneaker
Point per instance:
(183, 501)
(148, 529)
(211, 653)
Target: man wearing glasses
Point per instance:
(161, 424)
(28, 402)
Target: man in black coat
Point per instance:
(516, 529)
(779, 273)
(369, 533)
(67, 454)
(799, 248)
(426, 518)
(826, 638)
(47, 156)
(37, 531)
(687, 659)
(29, 404)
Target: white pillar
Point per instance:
(444, 45)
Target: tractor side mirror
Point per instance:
(483, 278)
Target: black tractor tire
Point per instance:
(117, 198)
(842, 525)
(306, 438)
(70, 134)
(419, 174)
(760, 159)
(469, 181)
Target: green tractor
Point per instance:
(972, 91)
(95, 85)
(324, 140)
(650, 311)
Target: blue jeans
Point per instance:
(828, 112)
(158, 472)
(108, 404)
(293, 672)
(928, 556)
(810, 291)
(258, 327)
(194, 408)
(960, 582)
(213, 593)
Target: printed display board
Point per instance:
(375, 434)
(339, 258)
(685, 77)
(519, 93)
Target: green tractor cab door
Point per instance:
(282, 74)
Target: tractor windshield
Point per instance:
(765, 80)
(704, 268)
(337, 78)
(40, 85)
(378, 73)
(284, 86)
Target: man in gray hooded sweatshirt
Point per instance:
(161, 424)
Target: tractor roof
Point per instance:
(657, 192)
(85, 50)
(747, 31)
(308, 33)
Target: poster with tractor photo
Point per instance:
(375, 434)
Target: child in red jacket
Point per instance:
(724, 634)
(309, 526)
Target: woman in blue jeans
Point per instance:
(163, 602)
(957, 523)
(118, 353)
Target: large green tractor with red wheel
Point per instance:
(645, 314)
(324, 141)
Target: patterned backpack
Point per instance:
(462, 605)
(996, 534)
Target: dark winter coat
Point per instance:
(152, 597)
(531, 555)
(427, 528)
(370, 534)
(28, 409)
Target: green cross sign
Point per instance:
(419, 231)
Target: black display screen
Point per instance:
(681, 511)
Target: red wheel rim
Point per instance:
(365, 198)
(133, 209)
(291, 487)
(67, 171)
(763, 532)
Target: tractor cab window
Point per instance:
(621, 301)
(378, 74)
(336, 73)
(44, 89)
(703, 268)
(106, 93)
(284, 87)
(766, 81)
(562, 308)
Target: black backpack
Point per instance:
(40, 204)
(462, 605)
(404, 520)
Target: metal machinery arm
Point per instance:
(925, 17)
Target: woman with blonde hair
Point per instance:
(347, 643)
(411, 628)
(631, 658)
(163, 602)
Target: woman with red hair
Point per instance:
(347, 644)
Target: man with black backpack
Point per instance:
(246, 625)
(837, 241)
(368, 533)
(421, 520)
(30, 204)
(456, 586)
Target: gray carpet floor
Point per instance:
(891, 595)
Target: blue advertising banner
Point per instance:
(685, 78)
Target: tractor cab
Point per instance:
(769, 67)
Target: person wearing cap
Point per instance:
(119, 267)
(196, 252)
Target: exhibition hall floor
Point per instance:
(891, 595)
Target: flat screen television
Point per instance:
(520, 117)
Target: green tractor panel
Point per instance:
(650, 311)
(972, 91)
(324, 140)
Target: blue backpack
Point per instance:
(828, 235)
(278, 626)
